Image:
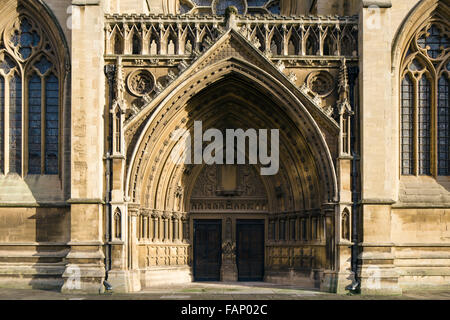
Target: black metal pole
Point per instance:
(109, 72)
(354, 140)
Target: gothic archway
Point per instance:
(235, 95)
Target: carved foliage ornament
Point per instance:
(141, 82)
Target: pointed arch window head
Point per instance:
(30, 99)
(434, 40)
(424, 105)
(25, 38)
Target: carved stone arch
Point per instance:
(11, 63)
(166, 167)
(312, 41)
(188, 37)
(294, 39)
(443, 67)
(30, 34)
(117, 41)
(154, 43)
(413, 22)
(427, 67)
(135, 40)
(276, 38)
(117, 223)
(176, 185)
(32, 64)
(165, 175)
(330, 42)
(347, 45)
(226, 67)
(38, 10)
(170, 39)
(345, 224)
(258, 34)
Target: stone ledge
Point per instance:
(377, 3)
(85, 2)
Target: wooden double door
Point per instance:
(208, 250)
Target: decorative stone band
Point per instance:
(187, 36)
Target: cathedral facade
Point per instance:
(92, 91)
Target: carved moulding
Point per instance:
(141, 82)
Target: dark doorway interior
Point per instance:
(207, 250)
(250, 250)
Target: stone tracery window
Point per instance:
(424, 103)
(29, 100)
(218, 6)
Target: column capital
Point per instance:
(177, 215)
(167, 214)
(133, 210)
(145, 212)
(156, 213)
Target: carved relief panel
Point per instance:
(228, 188)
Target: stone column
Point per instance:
(156, 215)
(185, 227)
(166, 217)
(145, 217)
(176, 226)
(135, 281)
(133, 216)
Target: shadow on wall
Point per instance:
(52, 227)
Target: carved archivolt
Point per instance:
(150, 167)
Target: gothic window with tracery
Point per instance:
(424, 103)
(219, 6)
(29, 100)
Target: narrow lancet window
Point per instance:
(407, 128)
(34, 124)
(15, 125)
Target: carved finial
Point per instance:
(343, 103)
(120, 85)
(230, 17)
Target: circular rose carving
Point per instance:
(141, 82)
(321, 83)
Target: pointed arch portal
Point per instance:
(293, 209)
